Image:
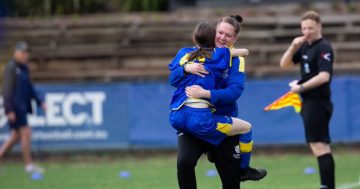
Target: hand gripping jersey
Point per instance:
(200, 122)
(228, 89)
(216, 65)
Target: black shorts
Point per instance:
(21, 121)
(316, 115)
(226, 159)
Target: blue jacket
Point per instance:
(18, 90)
(227, 89)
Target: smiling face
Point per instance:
(311, 30)
(225, 35)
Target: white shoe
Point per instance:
(34, 169)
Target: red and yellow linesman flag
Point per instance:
(288, 99)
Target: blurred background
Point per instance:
(102, 67)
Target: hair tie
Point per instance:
(237, 18)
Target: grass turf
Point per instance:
(159, 172)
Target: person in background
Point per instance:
(315, 56)
(18, 91)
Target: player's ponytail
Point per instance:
(204, 38)
(201, 53)
(237, 18)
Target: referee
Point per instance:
(315, 56)
(18, 92)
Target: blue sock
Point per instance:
(246, 144)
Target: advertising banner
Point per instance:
(135, 115)
(78, 117)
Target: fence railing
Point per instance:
(112, 49)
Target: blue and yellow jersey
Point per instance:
(216, 65)
(228, 88)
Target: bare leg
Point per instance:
(320, 148)
(8, 144)
(25, 137)
(239, 126)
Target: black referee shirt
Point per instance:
(315, 58)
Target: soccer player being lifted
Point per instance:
(194, 115)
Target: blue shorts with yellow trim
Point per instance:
(201, 123)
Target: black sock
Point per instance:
(327, 171)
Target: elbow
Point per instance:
(246, 52)
(283, 65)
(236, 96)
(325, 77)
(238, 92)
(172, 82)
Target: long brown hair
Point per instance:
(204, 38)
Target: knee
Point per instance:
(320, 148)
(25, 133)
(248, 127)
(14, 135)
(186, 163)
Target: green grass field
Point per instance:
(286, 171)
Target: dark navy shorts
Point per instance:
(21, 121)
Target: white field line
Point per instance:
(350, 185)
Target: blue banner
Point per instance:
(135, 115)
(79, 117)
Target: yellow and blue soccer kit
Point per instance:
(227, 90)
(200, 122)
